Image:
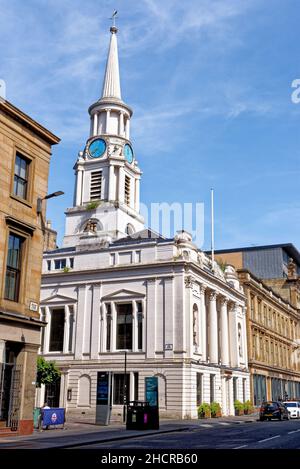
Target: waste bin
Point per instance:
(140, 416)
(36, 414)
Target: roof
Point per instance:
(111, 84)
(291, 250)
(142, 236)
(26, 121)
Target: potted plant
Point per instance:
(248, 408)
(238, 407)
(204, 411)
(215, 409)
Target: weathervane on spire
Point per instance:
(114, 29)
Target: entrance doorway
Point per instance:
(52, 393)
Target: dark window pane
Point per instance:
(71, 262)
(13, 267)
(121, 388)
(124, 327)
(21, 176)
(57, 330)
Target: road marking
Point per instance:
(206, 425)
(223, 423)
(294, 431)
(242, 446)
(267, 439)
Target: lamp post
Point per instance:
(49, 196)
(125, 387)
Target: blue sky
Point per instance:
(210, 85)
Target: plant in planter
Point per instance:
(215, 409)
(239, 408)
(204, 411)
(248, 408)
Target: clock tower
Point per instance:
(107, 187)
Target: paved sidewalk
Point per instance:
(81, 433)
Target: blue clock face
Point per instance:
(128, 152)
(97, 148)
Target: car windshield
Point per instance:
(270, 405)
(290, 404)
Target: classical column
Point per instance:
(95, 131)
(80, 320)
(224, 333)
(203, 323)
(150, 323)
(127, 130)
(111, 184)
(134, 327)
(113, 327)
(47, 330)
(137, 195)
(233, 339)
(121, 124)
(95, 322)
(213, 328)
(78, 196)
(121, 195)
(2, 351)
(67, 329)
(107, 120)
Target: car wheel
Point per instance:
(261, 419)
(280, 417)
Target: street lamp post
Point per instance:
(125, 387)
(49, 196)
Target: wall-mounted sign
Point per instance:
(168, 346)
(151, 390)
(33, 306)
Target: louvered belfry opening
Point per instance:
(96, 185)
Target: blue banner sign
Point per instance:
(151, 387)
(55, 416)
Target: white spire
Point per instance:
(111, 83)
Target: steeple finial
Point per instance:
(113, 28)
(111, 83)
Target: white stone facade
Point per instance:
(116, 290)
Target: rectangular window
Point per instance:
(13, 267)
(57, 330)
(96, 185)
(71, 328)
(139, 307)
(199, 388)
(121, 389)
(49, 265)
(212, 388)
(71, 262)
(124, 326)
(127, 190)
(60, 264)
(21, 176)
(108, 327)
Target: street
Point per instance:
(218, 435)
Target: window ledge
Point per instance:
(19, 199)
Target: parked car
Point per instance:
(273, 410)
(294, 408)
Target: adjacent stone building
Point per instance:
(273, 317)
(121, 299)
(25, 150)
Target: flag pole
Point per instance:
(212, 229)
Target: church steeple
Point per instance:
(107, 173)
(111, 83)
